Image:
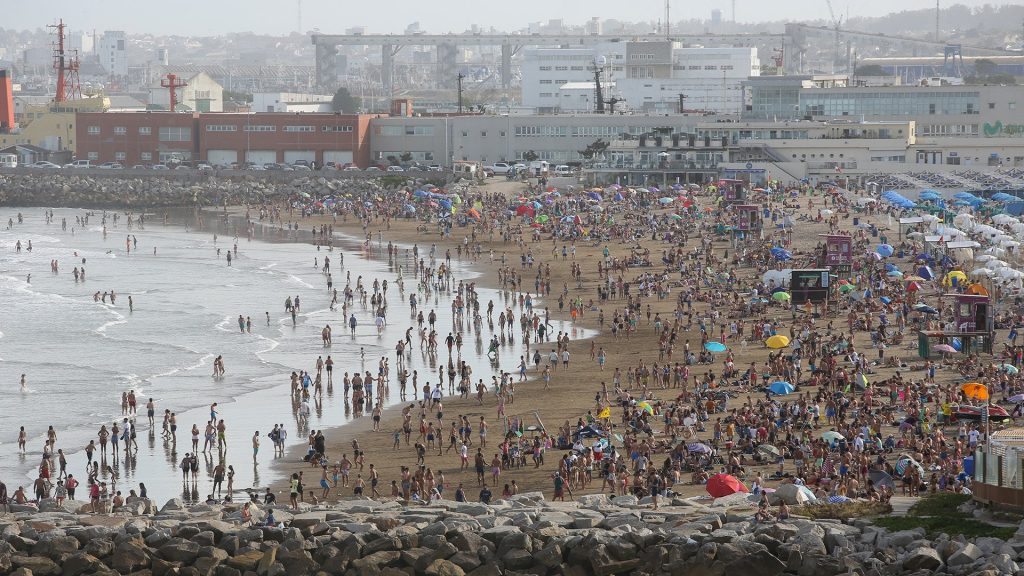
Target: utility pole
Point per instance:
(733, 11)
(682, 100)
(460, 77)
(936, 20)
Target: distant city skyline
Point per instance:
(280, 17)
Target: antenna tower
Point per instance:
(68, 85)
(172, 83)
(668, 26)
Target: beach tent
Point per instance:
(721, 485)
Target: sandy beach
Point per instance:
(572, 392)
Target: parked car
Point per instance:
(301, 163)
(80, 164)
(351, 169)
(436, 168)
(301, 167)
(563, 170)
(374, 169)
(44, 165)
(396, 169)
(111, 166)
(501, 168)
(203, 166)
(159, 167)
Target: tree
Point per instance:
(406, 157)
(393, 160)
(594, 149)
(344, 102)
(530, 156)
(985, 67)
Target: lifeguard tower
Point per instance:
(732, 191)
(837, 253)
(747, 222)
(972, 312)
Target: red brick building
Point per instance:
(223, 138)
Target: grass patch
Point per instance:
(938, 514)
(942, 504)
(843, 511)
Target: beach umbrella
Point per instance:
(594, 196)
(945, 348)
(769, 450)
(885, 299)
(646, 407)
(699, 448)
(826, 212)
(473, 213)
(954, 277)
(880, 478)
(913, 287)
(884, 250)
(832, 436)
(838, 499)
(715, 346)
(781, 388)
(777, 341)
(1016, 398)
(894, 274)
(723, 485)
(666, 200)
(1008, 368)
(975, 390)
(847, 288)
(781, 297)
(542, 219)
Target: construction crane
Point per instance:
(837, 22)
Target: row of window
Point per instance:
(147, 156)
(146, 130)
(410, 130)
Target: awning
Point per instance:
(963, 244)
(912, 220)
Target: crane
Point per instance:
(836, 23)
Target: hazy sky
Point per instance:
(211, 17)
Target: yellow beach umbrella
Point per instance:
(777, 341)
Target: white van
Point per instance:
(538, 168)
(8, 160)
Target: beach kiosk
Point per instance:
(837, 253)
(747, 222)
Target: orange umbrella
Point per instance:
(975, 390)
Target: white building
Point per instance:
(546, 70)
(113, 53)
(708, 78)
(291, 102)
(201, 93)
(648, 76)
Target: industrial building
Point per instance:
(223, 138)
(291, 102)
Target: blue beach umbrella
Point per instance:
(781, 388)
(715, 347)
(884, 250)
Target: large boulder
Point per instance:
(921, 559)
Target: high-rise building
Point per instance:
(113, 54)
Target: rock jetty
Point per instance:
(522, 535)
(113, 189)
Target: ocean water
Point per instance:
(79, 355)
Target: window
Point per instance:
(545, 68)
(465, 134)
(175, 134)
(560, 82)
(483, 134)
(545, 81)
(221, 128)
(94, 129)
(1013, 105)
(146, 156)
(339, 129)
(577, 68)
(300, 129)
(259, 128)
(419, 130)
(94, 155)
(119, 156)
(561, 68)
(542, 95)
(145, 130)
(120, 130)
